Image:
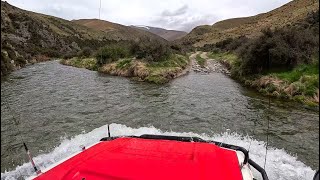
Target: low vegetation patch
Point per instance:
(202, 62)
(226, 58)
(302, 83)
(124, 63)
(298, 72)
(174, 60)
(87, 63)
(170, 68)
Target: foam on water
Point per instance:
(280, 165)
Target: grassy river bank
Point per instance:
(155, 72)
(300, 84)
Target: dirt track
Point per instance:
(212, 65)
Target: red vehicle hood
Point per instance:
(145, 159)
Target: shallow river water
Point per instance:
(60, 107)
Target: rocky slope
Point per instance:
(289, 13)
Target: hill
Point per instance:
(29, 37)
(116, 31)
(287, 14)
(169, 35)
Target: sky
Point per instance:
(169, 14)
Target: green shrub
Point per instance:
(146, 49)
(282, 48)
(208, 48)
(223, 44)
(152, 51)
(111, 53)
(236, 43)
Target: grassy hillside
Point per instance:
(117, 31)
(169, 35)
(251, 27)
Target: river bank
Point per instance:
(13, 61)
(154, 72)
(300, 84)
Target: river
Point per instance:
(58, 105)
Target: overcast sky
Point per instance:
(169, 14)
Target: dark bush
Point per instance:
(178, 49)
(51, 53)
(21, 61)
(111, 53)
(149, 50)
(208, 47)
(236, 43)
(313, 19)
(279, 49)
(223, 44)
(69, 55)
(282, 48)
(85, 52)
(152, 50)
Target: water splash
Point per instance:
(280, 165)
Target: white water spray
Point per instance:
(280, 165)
